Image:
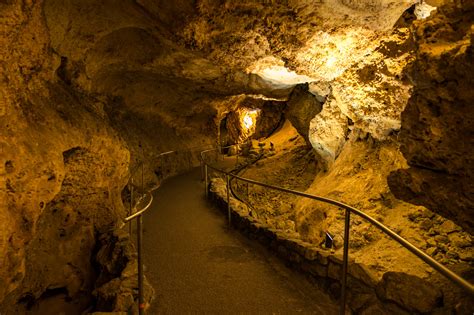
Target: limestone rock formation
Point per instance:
(302, 107)
(116, 285)
(328, 131)
(63, 169)
(320, 39)
(421, 297)
(437, 124)
(374, 92)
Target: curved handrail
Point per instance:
(136, 212)
(450, 275)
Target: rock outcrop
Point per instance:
(116, 288)
(63, 169)
(302, 107)
(437, 126)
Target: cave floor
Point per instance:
(196, 264)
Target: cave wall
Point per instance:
(63, 168)
(269, 117)
(302, 108)
(413, 90)
(437, 128)
(160, 94)
(304, 34)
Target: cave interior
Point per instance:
(367, 102)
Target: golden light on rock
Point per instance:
(281, 75)
(274, 71)
(248, 119)
(423, 10)
(331, 61)
(353, 100)
(328, 55)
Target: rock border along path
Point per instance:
(395, 293)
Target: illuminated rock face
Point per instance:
(437, 124)
(369, 97)
(319, 39)
(328, 131)
(302, 107)
(62, 169)
(374, 92)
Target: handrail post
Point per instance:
(202, 168)
(205, 179)
(347, 222)
(131, 206)
(143, 187)
(228, 197)
(236, 154)
(450, 275)
(141, 304)
(162, 171)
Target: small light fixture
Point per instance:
(248, 120)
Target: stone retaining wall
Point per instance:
(394, 293)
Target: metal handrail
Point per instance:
(450, 275)
(137, 213)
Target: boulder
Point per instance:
(302, 108)
(410, 292)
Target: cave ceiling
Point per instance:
(160, 55)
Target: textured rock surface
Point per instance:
(116, 289)
(394, 293)
(320, 39)
(328, 132)
(302, 107)
(358, 177)
(369, 97)
(420, 297)
(270, 119)
(266, 116)
(374, 92)
(437, 124)
(59, 182)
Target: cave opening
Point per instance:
(366, 103)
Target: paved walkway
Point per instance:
(198, 266)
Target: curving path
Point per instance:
(197, 265)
